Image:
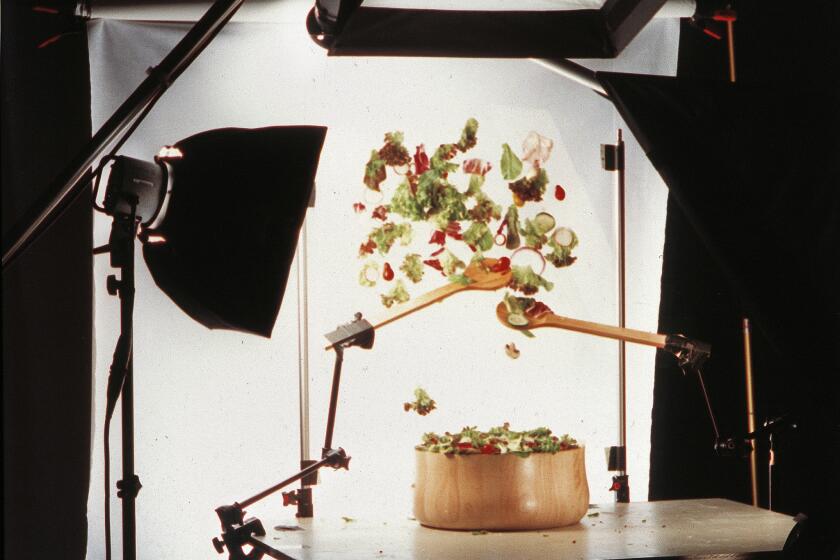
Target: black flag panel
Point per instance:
(754, 171)
(354, 29)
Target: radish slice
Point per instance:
(528, 256)
(563, 236)
(500, 239)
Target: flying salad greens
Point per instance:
(448, 192)
(422, 404)
(496, 441)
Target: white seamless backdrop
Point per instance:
(216, 411)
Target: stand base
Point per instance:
(238, 532)
(621, 487)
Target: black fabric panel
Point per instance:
(47, 292)
(395, 32)
(754, 172)
(696, 300)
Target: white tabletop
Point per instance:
(678, 528)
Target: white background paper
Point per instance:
(216, 411)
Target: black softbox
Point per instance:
(238, 200)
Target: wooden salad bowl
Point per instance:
(503, 492)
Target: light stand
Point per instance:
(612, 159)
(120, 380)
(237, 531)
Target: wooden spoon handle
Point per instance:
(425, 300)
(609, 331)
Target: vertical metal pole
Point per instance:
(130, 483)
(622, 360)
(730, 39)
(303, 342)
(129, 519)
(770, 464)
(612, 156)
(748, 371)
(304, 504)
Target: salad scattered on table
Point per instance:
(496, 441)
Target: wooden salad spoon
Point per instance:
(482, 278)
(597, 329)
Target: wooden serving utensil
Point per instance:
(481, 274)
(597, 329)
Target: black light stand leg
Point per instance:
(129, 486)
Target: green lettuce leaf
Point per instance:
(374, 171)
(512, 219)
(517, 305)
(412, 267)
(525, 280)
(479, 236)
(450, 263)
(476, 182)
(561, 255)
(468, 135)
(364, 280)
(397, 295)
(530, 188)
(461, 279)
(534, 236)
(388, 233)
(406, 204)
(485, 209)
(511, 166)
(423, 404)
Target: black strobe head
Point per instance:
(136, 187)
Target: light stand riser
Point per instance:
(612, 157)
(121, 379)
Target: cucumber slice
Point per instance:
(544, 221)
(518, 320)
(564, 237)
